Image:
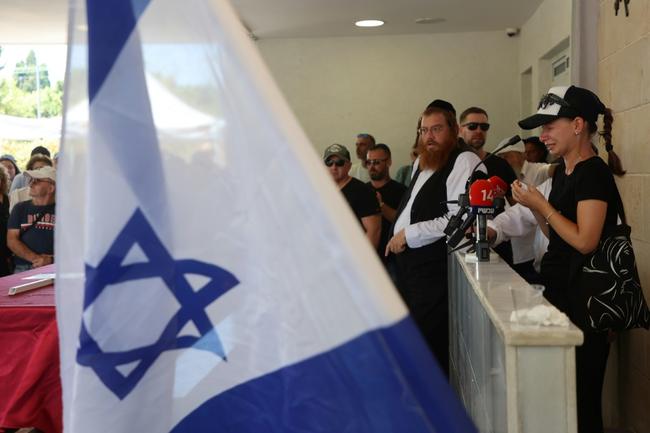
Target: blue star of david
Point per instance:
(173, 272)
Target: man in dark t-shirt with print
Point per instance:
(389, 192)
(30, 234)
(359, 196)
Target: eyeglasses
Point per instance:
(550, 99)
(336, 162)
(473, 125)
(437, 129)
(375, 161)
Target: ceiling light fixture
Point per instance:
(369, 23)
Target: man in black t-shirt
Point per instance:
(359, 196)
(389, 192)
(30, 233)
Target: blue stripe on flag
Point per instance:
(373, 384)
(132, 139)
(110, 24)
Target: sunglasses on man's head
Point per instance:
(550, 99)
(473, 125)
(336, 162)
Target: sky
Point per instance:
(52, 55)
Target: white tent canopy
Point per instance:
(29, 129)
(171, 115)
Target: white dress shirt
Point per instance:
(518, 221)
(427, 232)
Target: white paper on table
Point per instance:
(40, 276)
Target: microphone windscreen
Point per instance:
(481, 193)
(500, 186)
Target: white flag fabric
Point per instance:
(210, 277)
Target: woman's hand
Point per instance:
(529, 196)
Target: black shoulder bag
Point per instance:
(610, 282)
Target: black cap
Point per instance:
(568, 102)
(338, 150)
(442, 104)
(40, 149)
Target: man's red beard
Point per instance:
(435, 158)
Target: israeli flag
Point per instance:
(210, 277)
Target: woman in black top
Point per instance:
(573, 219)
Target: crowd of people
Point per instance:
(27, 212)
(558, 207)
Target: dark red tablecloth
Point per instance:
(30, 386)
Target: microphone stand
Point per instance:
(456, 222)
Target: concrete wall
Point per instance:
(339, 87)
(624, 85)
(545, 31)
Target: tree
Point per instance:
(52, 101)
(15, 101)
(20, 96)
(27, 73)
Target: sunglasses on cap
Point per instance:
(336, 162)
(550, 99)
(473, 125)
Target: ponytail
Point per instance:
(613, 160)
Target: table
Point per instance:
(30, 385)
(512, 378)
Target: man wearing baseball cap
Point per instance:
(359, 196)
(30, 234)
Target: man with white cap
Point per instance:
(30, 234)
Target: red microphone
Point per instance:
(481, 194)
(481, 200)
(500, 186)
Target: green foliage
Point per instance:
(19, 95)
(51, 101)
(15, 101)
(25, 74)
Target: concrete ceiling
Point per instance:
(45, 21)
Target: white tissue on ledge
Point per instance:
(546, 315)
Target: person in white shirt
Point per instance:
(418, 235)
(359, 170)
(519, 222)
